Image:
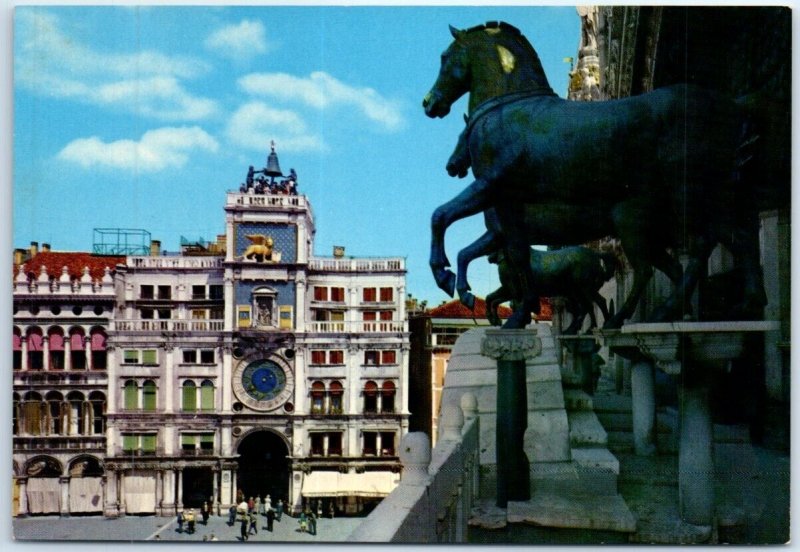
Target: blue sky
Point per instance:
(143, 117)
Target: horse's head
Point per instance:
(486, 61)
(453, 80)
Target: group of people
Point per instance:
(262, 185)
(309, 516)
(189, 517)
(247, 512)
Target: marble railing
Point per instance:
(175, 262)
(266, 200)
(391, 264)
(168, 325)
(358, 326)
(438, 488)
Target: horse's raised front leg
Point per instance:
(484, 245)
(473, 199)
(493, 302)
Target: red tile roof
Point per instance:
(75, 261)
(454, 309)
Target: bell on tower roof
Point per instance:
(273, 168)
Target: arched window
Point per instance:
(189, 396)
(77, 349)
(149, 396)
(207, 396)
(56, 342)
(32, 413)
(17, 348)
(97, 419)
(77, 413)
(35, 349)
(99, 355)
(56, 413)
(130, 395)
(387, 401)
(370, 397)
(317, 397)
(336, 393)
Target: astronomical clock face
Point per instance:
(263, 384)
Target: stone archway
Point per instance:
(263, 466)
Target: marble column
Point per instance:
(46, 353)
(696, 451)
(23, 497)
(511, 349)
(87, 348)
(64, 484)
(643, 407)
(180, 488)
(24, 351)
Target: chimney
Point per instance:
(338, 251)
(19, 256)
(155, 248)
(45, 248)
(34, 249)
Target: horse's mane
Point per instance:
(518, 37)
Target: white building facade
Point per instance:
(255, 370)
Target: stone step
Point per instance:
(621, 421)
(585, 430)
(576, 399)
(620, 441)
(659, 469)
(590, 511)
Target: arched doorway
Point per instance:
(263, 466)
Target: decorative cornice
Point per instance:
(511, 344)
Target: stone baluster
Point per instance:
(415, 456)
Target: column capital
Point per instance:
(501, 344)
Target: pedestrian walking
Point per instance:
(231, 515)
(260, 504)
(251, 504)
(331, 509)
(303, 522)
(312, 523)
(267, 504)
(190, 521)
(205, 512)
(180, 521)
(244, 523)
(279, 509)
(253, 523)
(270, 519)
(319, 509)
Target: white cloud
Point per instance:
(244, 40)
(156, 150)
(49, 61)
(321, 90)
(255, 124)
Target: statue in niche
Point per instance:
(264, 311)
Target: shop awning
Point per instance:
(367, 484)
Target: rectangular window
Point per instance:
(130, 442)
(207, 356)
(149, 443)
(207, 441)
(188, 442)
(189, 399)
(147, 314)
(130, 356)
(388, 357)
(387, 315)
(164, 314)
(317, 357)
(149, 357)
(337, 294)
(189, 356)
(198, 292)
(206, 397)
(320, 293)
(165, 292)
(368, 316)
(387, 443)
(199, 314)
(334, 444)
(215, 292)
(370, 443)
(217, 313)
(145, 292)
(369, 295)
(371, 358)
(336, 357)
(387, 294)
(316, 444)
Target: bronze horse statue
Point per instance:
(660, 170)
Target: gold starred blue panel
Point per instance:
(284, 238)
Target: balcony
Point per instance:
(394, 264)
(168, 325)
(358, 326)
(175, 262)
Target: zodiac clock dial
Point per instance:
(263, 384)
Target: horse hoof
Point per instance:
(445, 280)
(468, 300)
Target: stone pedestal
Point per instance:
(511, 349)
(694, 351)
